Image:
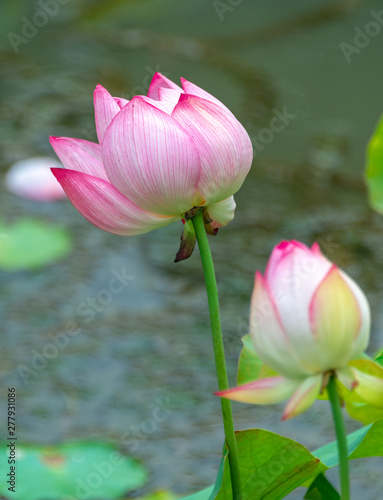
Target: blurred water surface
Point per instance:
(148, 345)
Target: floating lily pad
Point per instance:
(70, 471)
(29, 244)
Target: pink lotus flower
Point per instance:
(308, 320)
(32, 179)
(158, 156)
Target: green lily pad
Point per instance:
(374, 168)
(70, 471)
(30, 244)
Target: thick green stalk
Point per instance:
(340, 432)
(219, 354)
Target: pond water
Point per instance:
(149, 345)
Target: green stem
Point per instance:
(219, 354)
(341, 438)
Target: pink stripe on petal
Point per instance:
(121, 102)
(335, 320)
(166, 106)
(294, 272)
(160, 81)
(315, 248)
(262, 392)
(192, 89)
(285, 250)
(170, 97)
(303, 397)
(80, 155)
(363, 335)
(105, 109)
(223, 144)
(268, 334)
(151, 159)
(102, 205)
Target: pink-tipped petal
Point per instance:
(192, 89)
(263, 391)
(170, 97)
(363, 335)
(102, 205)
(121, 102)
(303, 397)
(32, 179)
(221, 212)
(77, 154)
(268, 334)
(151, 159)
(294, 265)
(315, 248)
(105, 109)
(369, 387)
(335, 317)
(166, 105)
(160, 81)
(223, 144)
(294, 273)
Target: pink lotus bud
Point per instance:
(308, 319)
(158, 157)
(32, 179)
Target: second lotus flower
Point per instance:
(308, 320)
(158, 157)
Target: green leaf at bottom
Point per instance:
(272, 466)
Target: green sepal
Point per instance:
(188, 240)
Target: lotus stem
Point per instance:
(219, 354)
(341, 437)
